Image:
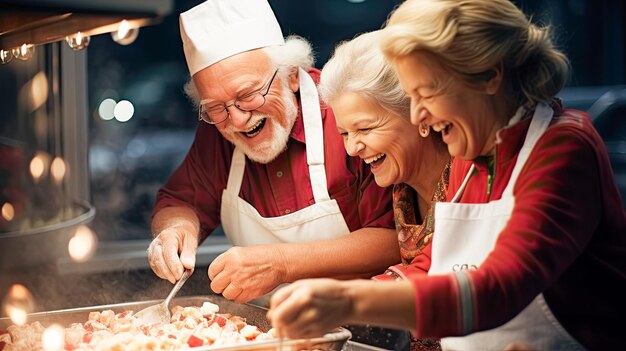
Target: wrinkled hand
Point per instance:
(245, 273)
(309, 308)
(165, 248)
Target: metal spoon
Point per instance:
(161, 312)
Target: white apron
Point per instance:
(243, 224)
(465, 234)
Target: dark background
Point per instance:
(130, 160)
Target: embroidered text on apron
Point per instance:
(242, 223)
(464, 236)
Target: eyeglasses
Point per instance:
(247, 103)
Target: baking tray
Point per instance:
(357, 346)
(254, 315)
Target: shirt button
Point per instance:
(287, 211)
(279, 174)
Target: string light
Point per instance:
(6, 56)
(24, 52)
(78, 41)
(125, 35)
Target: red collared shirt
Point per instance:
(566, 238)
(281, 186)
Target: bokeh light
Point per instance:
(124, 111)
(18, 303)
(106, 109)
(38, 90)
(8, 212)
(58, 169)
(38, 166)
(83, 244)
(53, 338)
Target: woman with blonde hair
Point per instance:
(530, 247)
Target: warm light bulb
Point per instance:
(24, 52)
(5, 56)
(125, 35)
(78, 41)
(123, 29)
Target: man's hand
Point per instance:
(163, 253)
(245, 273)
(310, 308)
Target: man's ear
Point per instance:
(494, 82)
(294, 81)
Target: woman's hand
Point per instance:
(310, 308)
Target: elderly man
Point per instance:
(267, 164)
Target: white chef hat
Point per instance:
(217, 29)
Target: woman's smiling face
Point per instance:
(388, 143)
(465, 116)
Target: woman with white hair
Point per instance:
(372, 113)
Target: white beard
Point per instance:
(267, 151)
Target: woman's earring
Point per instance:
(424, 130)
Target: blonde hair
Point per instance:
(297, 52)
(358, 66)
(473, 37)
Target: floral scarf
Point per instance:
(414, 237)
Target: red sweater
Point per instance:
(566, 238)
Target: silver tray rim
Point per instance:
(339, 336)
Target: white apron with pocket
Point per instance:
(242, 223)
(465, 234)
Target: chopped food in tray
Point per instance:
(189, 327)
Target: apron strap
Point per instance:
(314, 136)
(235, 175)
(540, 122)
(459, 192)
